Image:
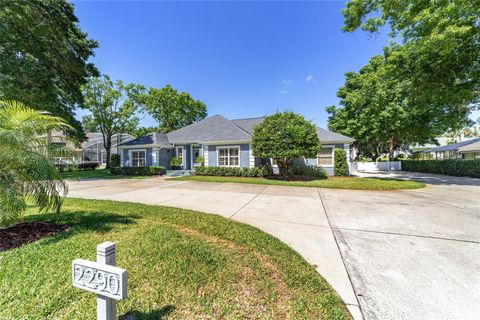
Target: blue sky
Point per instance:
(243, 59)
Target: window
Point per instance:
(229, 157)
(325, 156)
(180, 153)
(138, 158)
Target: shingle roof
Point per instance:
(248, 123)
(154, 138)
(453, 147)
(326, 136)
(472, 147)
(214, 128)
(218, 128)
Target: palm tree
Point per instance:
(27, 171)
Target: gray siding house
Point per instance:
(221, 142)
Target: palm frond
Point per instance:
(27, 170)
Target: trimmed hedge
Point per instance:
(138, 171)
(88, 166)
(115, 160)
(340, 165)
(451, 167)
(65, 167)
(313, 172)
(263, 171)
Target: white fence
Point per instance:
(379, 166)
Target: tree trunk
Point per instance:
(108, 148)
(391, 149)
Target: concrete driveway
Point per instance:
(389, 255)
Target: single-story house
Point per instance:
(449, 151)
(470, 151)
(221, 142)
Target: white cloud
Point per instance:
(287, 82)
(311, 79)
(283, 92)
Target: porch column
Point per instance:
(155, 156)
(251, 158)
(205, 155)
(121, 158)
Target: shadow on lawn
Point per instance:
(84, 221)
(151, 315)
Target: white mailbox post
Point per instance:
(102, 278)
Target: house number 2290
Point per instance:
(96, 279)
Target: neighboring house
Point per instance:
(221, 142)
(93, 150)
(59, 140)
(470, 151)
(450, 151)
(442, 141)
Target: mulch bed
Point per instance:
(26, 232)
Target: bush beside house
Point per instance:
(176, 163)
(451, 167)
(115, 160)
(138, 171)
(307, 171)
(340, 165)
(65, 167)
(284, 137)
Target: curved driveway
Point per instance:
(389, 254)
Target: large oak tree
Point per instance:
(113, 107)
(172, 109)
(43, 56)
(437, 55)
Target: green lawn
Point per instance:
(332, 182)
(181, 265)
(96, 174)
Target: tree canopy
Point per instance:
(172, 109)
(27, 170)
(43, 57)
(419, 88)
(439, 53)
(112, 106)
(285, 136)
(379, 112)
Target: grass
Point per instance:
(331, 182)
(181, 265)
(96, 174)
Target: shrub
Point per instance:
(138, 171)
(65, 167)
(115, 160)
(200, 160)
(451, 167)
(285, 136)
(263, 171)
(88, 166)
(340, 165)
(308, 171)
(175, 162)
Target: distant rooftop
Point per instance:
(453, 146)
